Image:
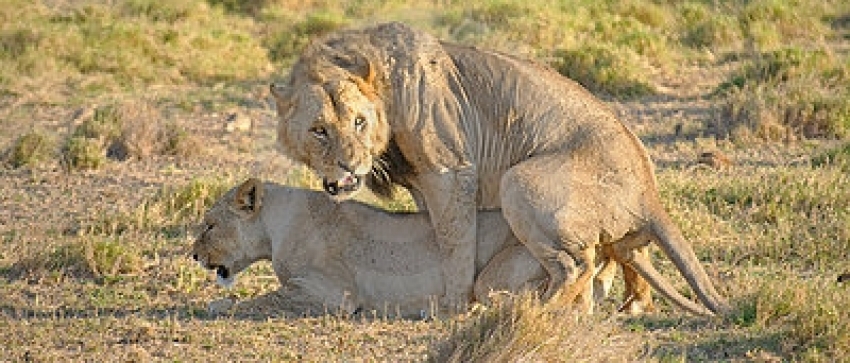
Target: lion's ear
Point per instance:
(248, 198)
(366, 70)
(355, 63)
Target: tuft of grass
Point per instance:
(603, 70)
(521, 328)
(108, 257)
(786, 94)
(168, 211)
(772, 23)
(31, 149)
(123, 131)
(838, 156)
(704, 28)
(87, 257)
(82, 153)
(813, 316)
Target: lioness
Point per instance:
(466, 128)
(350, 255)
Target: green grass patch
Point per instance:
(814, 316)
(286, 34)
(86, 257)
(31, 149)
(771, 211)
(838, 156)
(97, 48)
(603, 70)
(786, 94)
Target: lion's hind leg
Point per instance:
(512, 270)
(637, 294)
(637, 298)
(546, 213)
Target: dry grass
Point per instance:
(521, 328)
(113, 144)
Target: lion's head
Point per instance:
(229, 232)
(332, 117)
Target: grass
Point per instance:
(788, 93)
(110, 126)
(30, 149)
(521, 328)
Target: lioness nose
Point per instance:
(195, 257)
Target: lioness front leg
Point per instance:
(450, 199)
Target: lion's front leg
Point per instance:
(450, 199)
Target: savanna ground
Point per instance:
(121, 121)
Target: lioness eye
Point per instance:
(319, 132)
(359, 122)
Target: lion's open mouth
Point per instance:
(349, 183)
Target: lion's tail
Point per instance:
(679, 250)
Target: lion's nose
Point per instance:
(345, 167)
(195, 257)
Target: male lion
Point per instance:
(352, 256)
(466, 129)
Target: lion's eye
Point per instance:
(319, 132)
(359, 122)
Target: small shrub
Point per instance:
(83, 153)
(192, 200)
(771, 23)
(603, 70)
(31, 149)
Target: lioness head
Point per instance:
(229, 232)
(332, 118)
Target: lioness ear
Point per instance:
(279, 91)
(282, 97)
(248, 198)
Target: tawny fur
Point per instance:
(466, 128)
(348, 255)
(351, 256)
